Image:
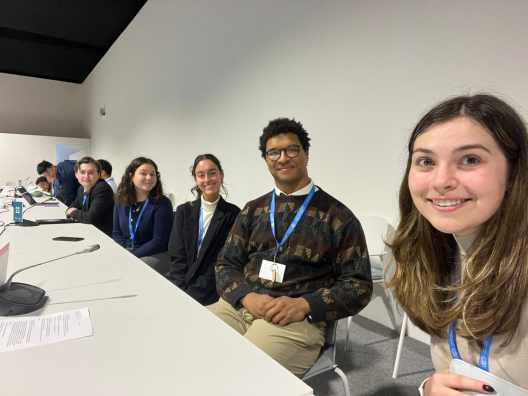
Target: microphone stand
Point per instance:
(21, 298)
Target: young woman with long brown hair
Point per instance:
(143, 215)
(461, 247)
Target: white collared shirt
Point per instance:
(303, 191)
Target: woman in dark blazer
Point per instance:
(143, 215)
(199, 232)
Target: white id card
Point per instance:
(266, 270)
(501, 386)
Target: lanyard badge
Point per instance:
(130, 228)
(272, 270)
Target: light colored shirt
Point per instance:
(303, 191)
(508, 362)
(112, 184)
(208, 212)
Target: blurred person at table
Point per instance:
(106, 174)
(62, 179)
(95, 199)
(43, 184)
(143, 215)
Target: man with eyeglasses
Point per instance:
(295, 258)
(95, 198)
(61, 178)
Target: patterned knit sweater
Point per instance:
(326, 256)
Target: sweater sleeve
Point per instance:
(230, 281)
(162, 229)
(117, 233)
(351, 265)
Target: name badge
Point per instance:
(266, 271)
(17, 213)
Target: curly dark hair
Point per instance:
(216, 161)
(126, 192)
(282, 126)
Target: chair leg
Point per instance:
(339, 372)
(400, 346)
(349, 323)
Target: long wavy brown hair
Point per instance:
(126, 192)
(495, 282)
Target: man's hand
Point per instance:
(70, 210)
(285, 310)
(255, 304)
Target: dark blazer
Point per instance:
(98, 209)
(67, 183)
(195, 275)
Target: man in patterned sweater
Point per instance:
(295, 258)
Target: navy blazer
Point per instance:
(195, 275)
(67, 181)
(153, 232)
(98, 208)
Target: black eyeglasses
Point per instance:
(291, 151)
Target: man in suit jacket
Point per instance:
(192, 270)
(95, 199)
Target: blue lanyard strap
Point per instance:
(84, 200)
(201, 231)
(134, 229)
(55, 188)
(294, 222)
(484, 353)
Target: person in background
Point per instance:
(295, 258)
(62, 178)
(106, 174)
(43, 184)
(95, 199)
(200, 230)
(143, 215)
(461, 247)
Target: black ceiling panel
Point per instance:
(60, 39)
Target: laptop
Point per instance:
(31, 201)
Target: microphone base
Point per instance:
(21, 299)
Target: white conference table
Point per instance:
(150, 338)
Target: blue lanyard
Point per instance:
(55, 188)
(84, 200)
(133, 230)
(294, 222)
(109, 179)
(484, 353)
(201, 232)
(486, 344)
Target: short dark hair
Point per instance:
(281, 126)
(43, 167)
(41, 179)
(126, 192)
(87, 160)
(106, 166)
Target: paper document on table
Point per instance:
(20, 333)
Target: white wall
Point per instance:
(34, 106)
(189, 77)
(20, 154)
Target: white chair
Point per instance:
(400, 345)
(326, 359)
(377, 230)
(173, 200)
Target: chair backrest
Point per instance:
(375, 230)
(173, 200)
(331, 329)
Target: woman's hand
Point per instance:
(443, 383)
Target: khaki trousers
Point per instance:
(295, 346)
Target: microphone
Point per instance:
(21, 298)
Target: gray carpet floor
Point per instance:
(369, 362)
